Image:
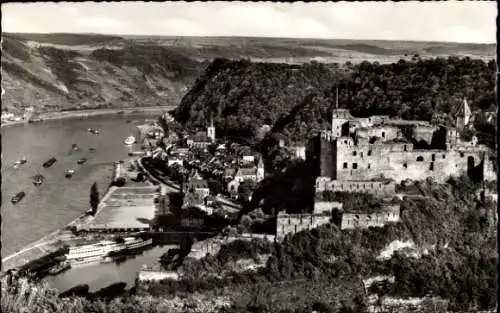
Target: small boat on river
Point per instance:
(18, 197)
(49, 162)
(69, 173)
(75, 147)
(93, 131)
(130, 140)
(81, 161)
(91, 149)
(38, 179)
(59, 268)
(22, 161)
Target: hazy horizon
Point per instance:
(448, 21)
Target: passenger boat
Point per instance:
(93, 253)
(130, 140)
(130, 245)
(81, 161)
(18, 197)
(49, 162)
(38, 179)
(69, 173)
(59, 268)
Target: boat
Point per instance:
(18, 197)
(22, 161)
(130, 245)
(93, 253)
(91, 149)
(69, 173)
(49, 162)
(59, 268)
(75, 147)
(93, 131)
(81, 161)
(38, 179)
(130, 140)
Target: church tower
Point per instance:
(260, 170)
(211, 130)
(463, 114)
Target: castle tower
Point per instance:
(211, 130)
(260, 170)
(339, 119)
(463, 114)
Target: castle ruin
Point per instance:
(365, 154)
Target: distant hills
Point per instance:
(55, 72)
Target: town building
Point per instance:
(254, 173)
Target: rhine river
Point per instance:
(59, 200)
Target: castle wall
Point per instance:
(390, 214)
(423, 132)
(400, 161)
(326, 206)
(385, 132)
(294, 223)
(377, 188)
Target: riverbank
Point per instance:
(56, 239)
(98, 112)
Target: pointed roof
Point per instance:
(463, 109)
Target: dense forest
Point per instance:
(297, 99)
(241, 95)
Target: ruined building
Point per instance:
(372, 154)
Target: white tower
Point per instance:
(211, 130)
(260, 170)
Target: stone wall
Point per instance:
(385, 132)
(294, 223)
(378, 188)
(424, 132)
(326, 206)
(389, 214)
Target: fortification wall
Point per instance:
(424, 132)
(294, 223)
(326, 206)
(377, 188)
(400, 161)
(389, 214)
(384, 132)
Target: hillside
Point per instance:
(72, 71)
(54, 79)
(242, 95)
(410, 90)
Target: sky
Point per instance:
(452, 21)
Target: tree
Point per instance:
(94, 198)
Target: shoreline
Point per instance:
(50, 116)
(47, 240)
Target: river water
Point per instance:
(58, 200)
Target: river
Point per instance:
(58, 200)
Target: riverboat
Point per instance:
(38, 179)
(93, 253)
(49, 162)
(81, 161)
(130, 245)
(18, 197)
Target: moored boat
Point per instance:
(130, 140)
(49, 162)
(38, 179)
(18, 197)
(81, 161)
(59, 268)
